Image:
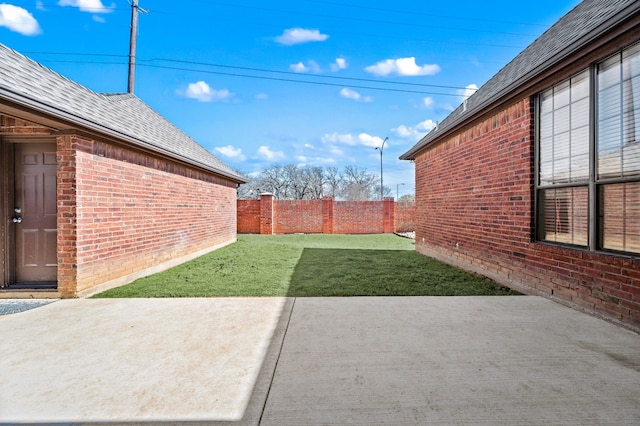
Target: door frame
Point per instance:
(7, 230)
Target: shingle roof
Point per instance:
(585, 23)
(124, 116)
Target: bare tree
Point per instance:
(358, 184)
(249, 190)
(333, 181)
(407, 198)
(312, 182)
(386, 191)
(273, 180)
(316, 178)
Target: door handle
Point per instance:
(17, 220)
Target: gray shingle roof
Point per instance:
(585, 23)
(124, 116)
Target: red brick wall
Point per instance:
(474, 209)
(358, 217)
(405, 217)
(248, 216)
(318, 216)
(133, 211)
(298, 216)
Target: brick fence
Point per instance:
(326, 216)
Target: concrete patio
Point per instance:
(283, 361)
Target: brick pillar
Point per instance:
(266, 214)
(67, 225)
(389, 215)
(327, 215)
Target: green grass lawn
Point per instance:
(312, 265)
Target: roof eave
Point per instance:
(76, 121)
(511, 90)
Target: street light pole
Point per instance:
(381, 149)
(397, 186)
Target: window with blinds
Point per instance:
(619, 216)
(564, 215)
(568, 150)
(563, 177)
(564, 132)
(618, 127)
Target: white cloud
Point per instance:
(231, 152)
(91, 6)
(303, 160)
(265, 153)
(339, 64)
(403, 67)
(203, 93)
(352, 94)
(299, 67)
(99, 19)
(334, 137)
(363, 139)
(311, 66)
(293, 36)
(335, 150)
(40, 5)
(403, 131)
(415, 132)
(18, 19)
(467, 91)
(427, 102)
(262, 96)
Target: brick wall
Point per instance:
(474, 209)
(321, 216)
(249, 217)
(358, 217)
(127, 212)
(298, 216)
(405, 217)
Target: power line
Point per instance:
(318, 83)
(368, 80)
(377, 21)
(414, 12)
(295, 73)
(352, 18)
(258, 77)
(84, 8)
(385, 36)
(37, 52)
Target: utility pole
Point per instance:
(381, 149)
(132, 45)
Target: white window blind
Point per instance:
(564, 132)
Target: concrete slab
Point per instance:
(279, 361)
(151, 360)
(453, 360)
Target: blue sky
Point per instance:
(309, 82)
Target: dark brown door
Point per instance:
(35, 213)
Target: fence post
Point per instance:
(327, 215)
(266, 213)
